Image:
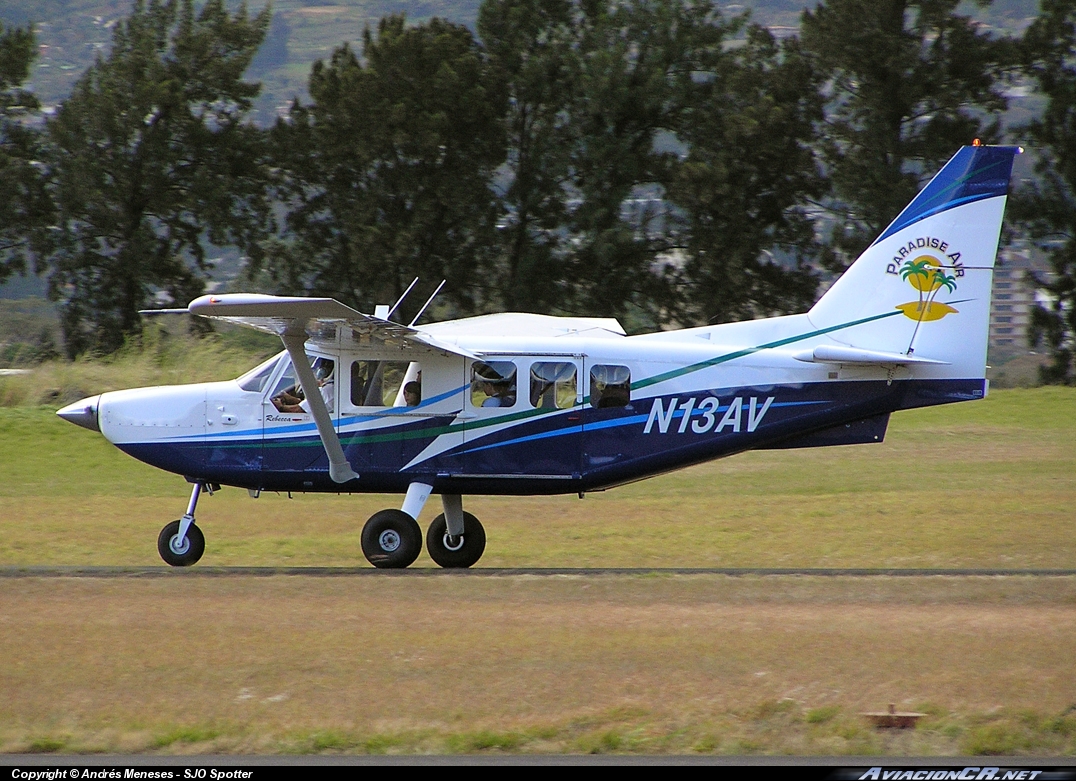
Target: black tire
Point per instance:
(470, 547)
(391, 539)
(194, 545)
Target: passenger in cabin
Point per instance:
(323, 372)
(614, 396)
(500, 392)
(412, 394)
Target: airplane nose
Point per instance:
(82, 413)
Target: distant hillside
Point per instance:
(72, 32)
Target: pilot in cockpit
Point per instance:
(292, 400)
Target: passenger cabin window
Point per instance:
(553, 385)
(493, 384)
(385, 384)
(610, 386)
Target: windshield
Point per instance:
(255, 379)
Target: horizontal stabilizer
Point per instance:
(282, 314)
(832, 353)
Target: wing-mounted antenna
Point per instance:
(400, 299)
(428, 302)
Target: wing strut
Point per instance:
(295, 342)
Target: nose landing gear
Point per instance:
(181, 543)
(180, 551)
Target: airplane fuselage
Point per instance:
(687, 400)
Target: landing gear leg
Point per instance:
(455, 539)
(181, 543)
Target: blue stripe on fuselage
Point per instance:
(629, 421)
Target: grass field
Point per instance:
(649, 663)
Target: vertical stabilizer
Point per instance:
(923, 286)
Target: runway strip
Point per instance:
(495, 572)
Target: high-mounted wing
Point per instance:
(317, 318)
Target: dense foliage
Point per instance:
(1047, 207)
(387, 173)
(25, 209)
(151, 160)
(908, 83)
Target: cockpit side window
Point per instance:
(493, 384)
(610, 386)
(553, 385)
(289, 382)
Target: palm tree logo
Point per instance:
(927, 275)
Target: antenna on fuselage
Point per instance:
(428, 302)
(401, 298)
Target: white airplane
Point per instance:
(525, 404)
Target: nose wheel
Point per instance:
(180, 551)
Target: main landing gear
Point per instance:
(181, 543)
(392, 539)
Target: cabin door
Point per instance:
(398, 411)
(290, 441)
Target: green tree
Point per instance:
(638, 60)
(387, 172)
(1047, 206)
(151, 158)
(910, 82)
(25, 209)
(655, 168)
(743, 189)
(534, 45)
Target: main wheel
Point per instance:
(180, 555)
(462, 551)
(391, 539)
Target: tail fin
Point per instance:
(923, 286)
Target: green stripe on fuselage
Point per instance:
(750, 350)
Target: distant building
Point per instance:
(1013, 299)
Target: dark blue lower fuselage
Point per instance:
(568, 451)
